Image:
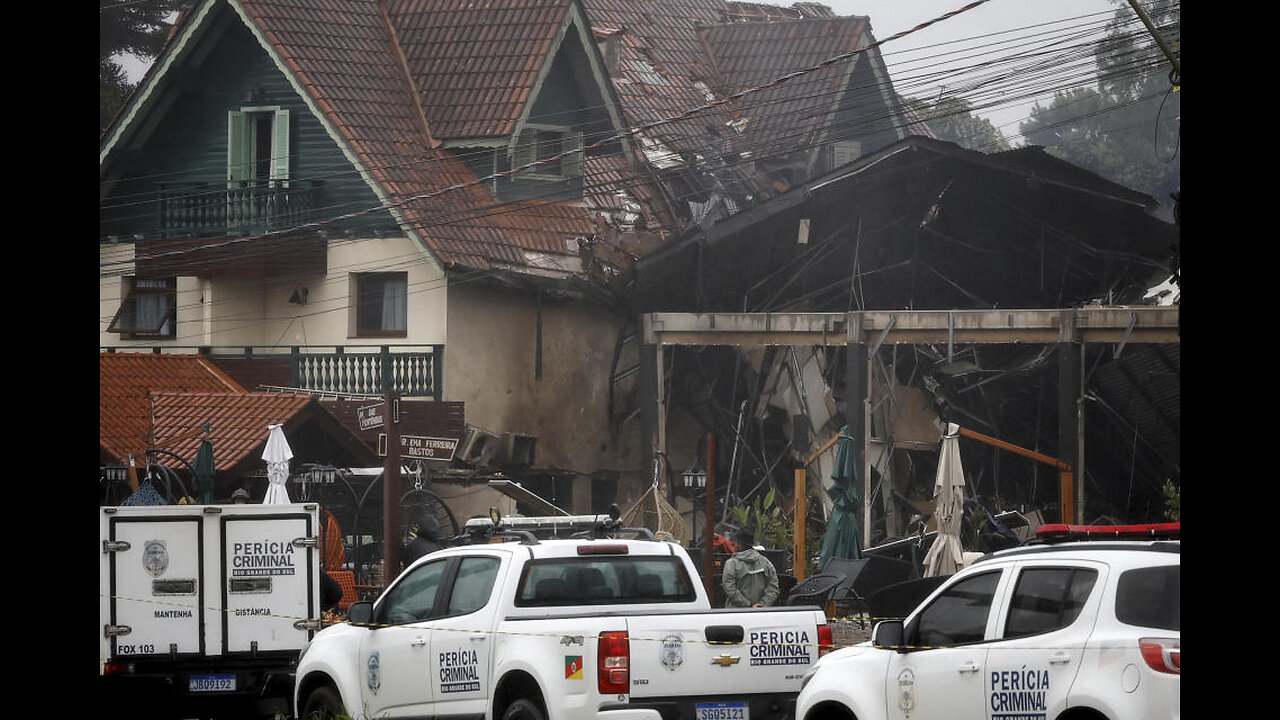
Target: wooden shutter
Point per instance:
(238, 160)
(280, 147)
(571, 165)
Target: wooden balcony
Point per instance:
(209, 230)
(248, 209)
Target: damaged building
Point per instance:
(752, 342)
(490, 205)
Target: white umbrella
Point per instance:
(277, 454)
(947, 551)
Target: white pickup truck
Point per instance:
(204, 608)
(515, 627)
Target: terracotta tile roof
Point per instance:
(348, 56)
(474, 63)
(125, 381)
(660, 63)
(755, 54)
(163, 401)
(397, 77)
(238, 422)
(756, 12)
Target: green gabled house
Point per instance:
(443, 199)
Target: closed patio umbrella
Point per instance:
(947, 551)
(202, 468)
(277, 454)
(841, 539)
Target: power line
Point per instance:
(499, 207)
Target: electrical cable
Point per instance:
(498, 207)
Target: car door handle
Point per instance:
(969, 667)
(418, 641)
(1060, 657)
(478, 638)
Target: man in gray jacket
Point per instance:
(749, 578)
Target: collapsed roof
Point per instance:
(923, 224)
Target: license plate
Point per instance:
(211, 683)
(722, 711)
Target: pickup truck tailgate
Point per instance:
(751, 652)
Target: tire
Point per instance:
(524, 709)
(323, 703)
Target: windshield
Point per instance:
(612, 580)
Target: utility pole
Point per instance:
(391, 487)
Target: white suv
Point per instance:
(1041, 632)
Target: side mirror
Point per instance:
(887, 634)
(360, 613)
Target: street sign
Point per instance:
(427, 448)
(371, 416)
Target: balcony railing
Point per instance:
(409, 374)
(250, 206)
(406, 370)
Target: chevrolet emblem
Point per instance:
(725, 660)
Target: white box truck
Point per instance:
(205, 608)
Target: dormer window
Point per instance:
(539, 142)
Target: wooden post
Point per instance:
(708, 543)
(709, 529)
(800, 560)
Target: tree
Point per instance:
(951, 118)
(1127, 128)
(135, 27)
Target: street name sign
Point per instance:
(371, 416)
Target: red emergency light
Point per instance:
(1058, 532)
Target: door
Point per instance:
(1040, 639)
(157, 590)
(461, 641)
(941, 677)
(395, 654)
(270, 581)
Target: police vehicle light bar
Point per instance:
(1057, 532)
(540, 522)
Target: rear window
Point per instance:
(1151, 597)
(591, 581)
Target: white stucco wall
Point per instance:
(490, 365)
(231, 310)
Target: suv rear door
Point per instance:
(1040, 636)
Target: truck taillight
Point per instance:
(614, 663)
(826, 640)
(116, 667)
(1162, 654)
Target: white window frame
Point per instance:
(844, 152)
(242, 142)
